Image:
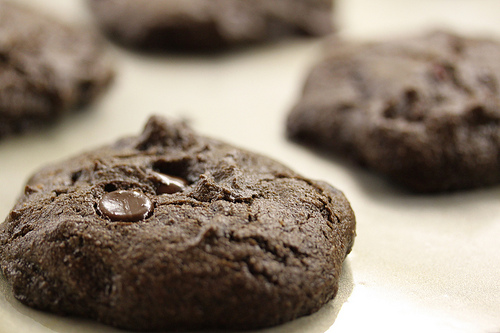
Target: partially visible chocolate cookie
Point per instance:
(173, 230)
(425, 111)
(46, 68)
(209, 24)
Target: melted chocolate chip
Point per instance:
(169, 184)
(129, 206)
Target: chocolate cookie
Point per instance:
(209, 24)
(172, 230)
(47, 68)
(425, 111)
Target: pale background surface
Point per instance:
(420, 263)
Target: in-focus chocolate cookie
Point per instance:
(172, 230)
(209, 24)
(46, 68)
(425, 111)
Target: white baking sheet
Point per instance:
(420, 263)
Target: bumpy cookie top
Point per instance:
(47, 67)
(207, 24)
(423, 110)
(175, 230)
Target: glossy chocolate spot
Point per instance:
(129, 206)
(169, 184)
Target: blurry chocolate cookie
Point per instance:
(173, 230)
(209, 24)
(425, 111)
(46, 68)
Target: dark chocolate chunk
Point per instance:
(121, 205)
(169, 184)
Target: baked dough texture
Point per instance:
(47, 68)
(236, 240)
(424, 111)
(209, 24)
